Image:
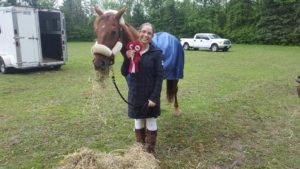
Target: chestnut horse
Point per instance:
(113, 34)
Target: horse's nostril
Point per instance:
(103, 64)
(112, 61)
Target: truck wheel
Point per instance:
(225, 49)
(3, 69)
(186, 46)
(214, 48)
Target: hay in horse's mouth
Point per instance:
(102, 75)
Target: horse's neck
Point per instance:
(129, 34)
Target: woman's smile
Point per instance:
(146, 34)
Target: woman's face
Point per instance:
(146, 34)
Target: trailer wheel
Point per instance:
(3, 68)
(57, 67)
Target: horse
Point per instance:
(112, 36)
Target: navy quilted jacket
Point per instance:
(145, 85)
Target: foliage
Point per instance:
(240, 18)
(274, 28)
(242, 21)
(78, 20)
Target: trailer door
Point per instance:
(27, 36)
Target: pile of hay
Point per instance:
(134, 158)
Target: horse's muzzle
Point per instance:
(102, 63)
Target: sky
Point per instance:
(60, 2)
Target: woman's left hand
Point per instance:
(151, 103)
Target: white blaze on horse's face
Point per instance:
(108, 30)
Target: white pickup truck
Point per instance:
(206, 41)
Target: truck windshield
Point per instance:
(214, 36)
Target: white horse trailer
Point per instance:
(31, 38)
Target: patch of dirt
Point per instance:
(239, 154)
(13, 90)
(15, 140)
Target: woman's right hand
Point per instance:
(151, 103)
(130, 53)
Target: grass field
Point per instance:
(239, 110)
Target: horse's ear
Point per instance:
(120, 13)
(98, 11)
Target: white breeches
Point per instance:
(149, 122)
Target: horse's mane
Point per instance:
(130, 32)
(96, 22)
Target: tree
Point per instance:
(137, 14)
(153, 10)
(296, 30)
(240, 20)
(277, 22)
(168, 18)
(243, 21)
(77, 22)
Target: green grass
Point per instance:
(239, 110)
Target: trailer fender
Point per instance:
(6, 60)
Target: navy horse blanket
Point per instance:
(173, 55)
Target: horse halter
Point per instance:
(106, 51)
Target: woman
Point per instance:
(145, 88)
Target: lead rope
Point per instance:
(115, 84)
